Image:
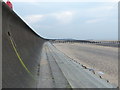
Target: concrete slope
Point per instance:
(23, 65)
(76, 75)
(0, 46)
(21, 52)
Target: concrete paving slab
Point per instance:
(75, 74)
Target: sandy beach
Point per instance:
(103, 59)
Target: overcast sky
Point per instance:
(73, 19)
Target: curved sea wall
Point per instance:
(21, 51)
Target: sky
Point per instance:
(70, 19)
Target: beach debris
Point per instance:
(100, 73)
(84, 66)
(92, 70)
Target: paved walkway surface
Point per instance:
(59, 71)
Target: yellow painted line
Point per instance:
(20, 59)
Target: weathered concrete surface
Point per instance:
(50, 75)
(24, 67)
(28, 45)
(0, 45)
(104, 60)
(76, 75)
